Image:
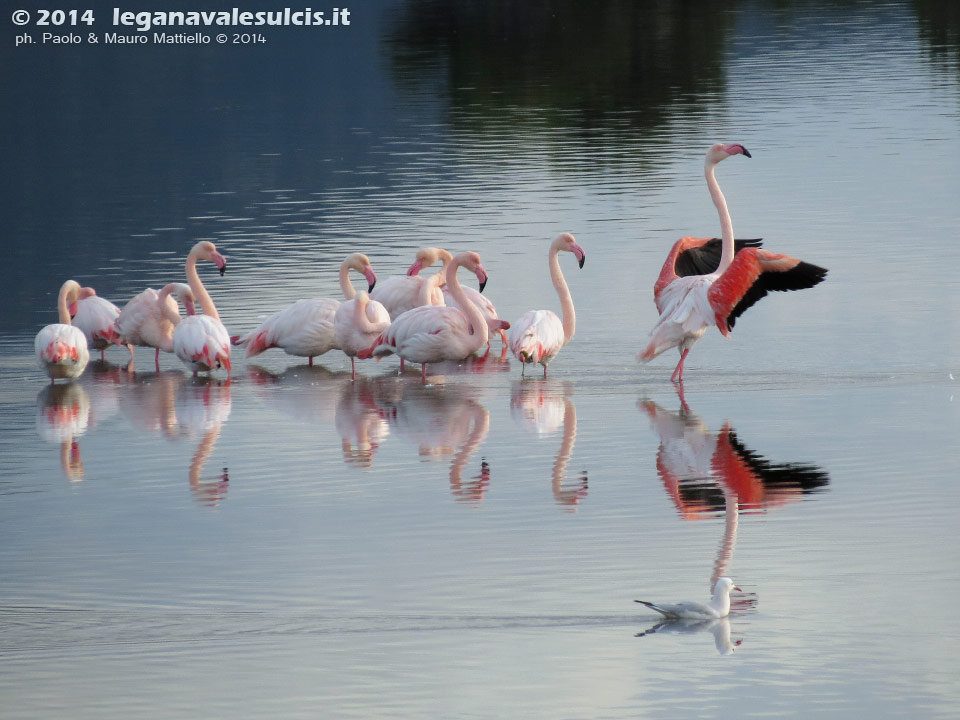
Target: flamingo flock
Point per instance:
(426, 320)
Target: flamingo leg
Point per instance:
(402, 363)
(130, 348)
(353, 370)
(544, 370)
(103, 356)
(310, 361)
(503, 336)
(423, 372)
(156, 359)
(678, 373)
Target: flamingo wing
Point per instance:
(202, 343)
(694, 256)
(61, 350)
(427, 334)
(751, 276)
(95, 319)
(536, 336)
(306, 328)
(398, 294)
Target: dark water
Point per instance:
(297, 543)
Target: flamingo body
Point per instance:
(399, 294)
(95, 318)
(202, 343)
(536, 337)
(304, 329)
(149, 318)
(494, 324)
(61, 351)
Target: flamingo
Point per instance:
(149, 318)
(402, 292)
(430, 334)
(201, 341)
(359, 320)
(306, 328)
(538, 335)
(689, 303)
(61, 349)
(427, 257)
(95, 318)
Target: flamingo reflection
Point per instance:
(543, 406)
(360, 420)
(306, 393)
(707, 474)
(444, 421)
(63, 416)
(202, 407)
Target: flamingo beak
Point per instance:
(370, 276)
(580, 254)
(415, 269)
(72, 308)
(220, 261)
(481, 277)
(746, 152)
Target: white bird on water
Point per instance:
(718, 607)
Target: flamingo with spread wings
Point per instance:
(696, 289)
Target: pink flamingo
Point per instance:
(306, 328)
(429, 256)
(689, 303)
(538, 335)
(357, 323)
(430, 334)
(402, 292)
(60, 348)
(201, 341)
(149, 319)
(95, 318)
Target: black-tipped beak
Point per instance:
(746, 152)
(583, 259)
(223, 269)
(371, 286)
(483, 285)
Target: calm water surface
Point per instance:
(296, 543)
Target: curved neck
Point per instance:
(563, 292)
(168, 312)
(199, 291)
(726, 224)
(360, 304)
(346, 287)
(427, 289)
(62, 307)
(478, 326)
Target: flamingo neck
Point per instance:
(63, 309)
(360, 304)
(445, 257)
(566, 447)
(726, 224)
(478, 326)
(428, 288)
(165, 309)
(563, 292)
(346, 287)
(200, 293)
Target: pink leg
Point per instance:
(310, 361)
(156, 359)
(423, 372)
(678, 373)
(103, 357)
(401, 364)
(353, 370)
(544, 370)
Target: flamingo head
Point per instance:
(427, 257)
(206, 250)
(87, 292)
(567, 243)
(361, 263)
(471, 261)
(721, 151)
(70, 293)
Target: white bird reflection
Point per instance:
(706, 474)
(202, 407)
(361, 419)
(543, 406)
(444, 421)
(63, 416)
(719, 628)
